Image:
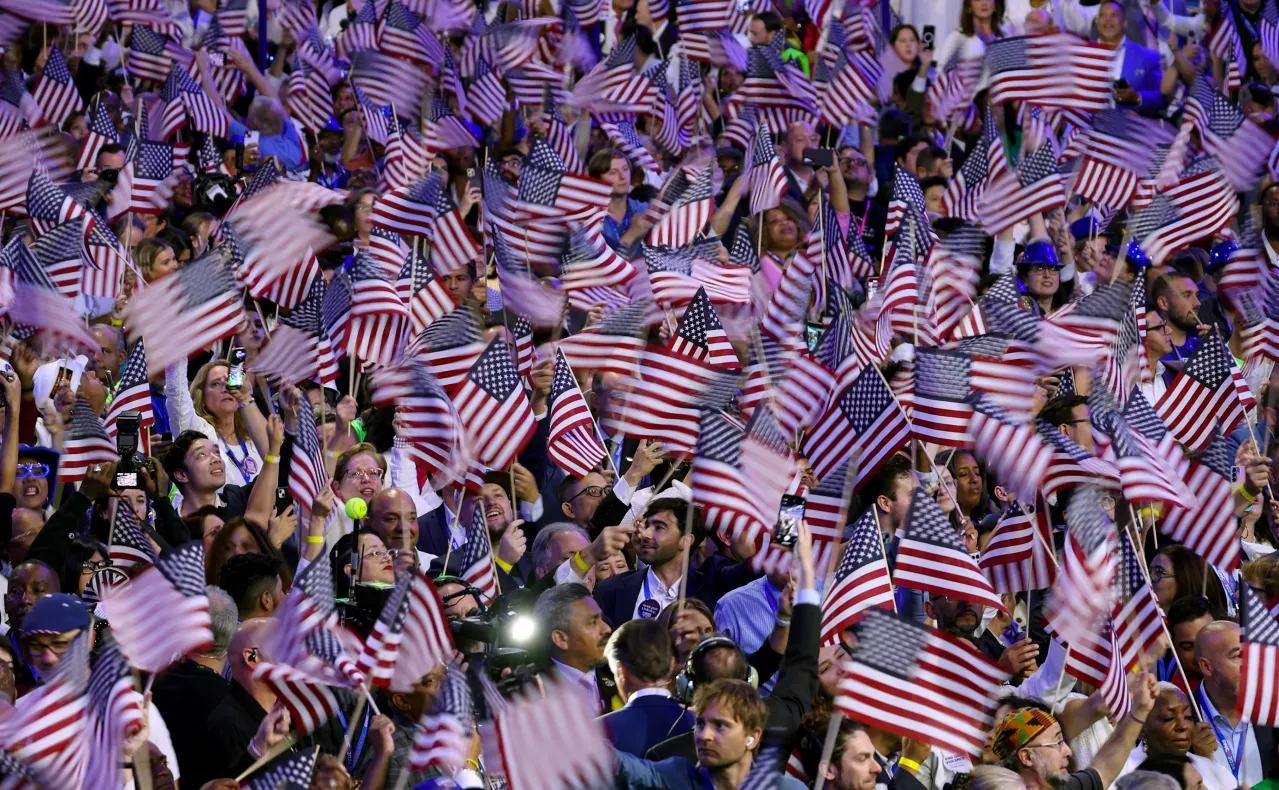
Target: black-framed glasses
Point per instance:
(32, 470)
(93, 566)
(593, 491)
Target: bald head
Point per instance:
(393, 516)
(1218, 654)
(245, 651)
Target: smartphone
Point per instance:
(235, 376)
(282, 500)
(217, 59)
(813, 335)
(251, 138)
(929, 38)
(819, 157)
(125, 480)
(791, 513)
(1121, 83)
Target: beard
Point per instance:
(1186, 322)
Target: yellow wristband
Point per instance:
(580, 563)
(1244, 493)
(475, 766)
(503, 565)
(314, 538)
(902, 762)
(271, 459)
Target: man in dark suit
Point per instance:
(642, 660)
(644, 593)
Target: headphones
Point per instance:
(687, 681)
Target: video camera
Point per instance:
(499, 637)
(126, 445)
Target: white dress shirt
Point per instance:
(1229, 741)
(1154, 391)
(654, 589)
(584, 681)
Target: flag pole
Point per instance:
(874, 509)
(828, 748)
(594, 425)
(685, 556)
(275, 751)
(497, 582)
(1164, 625)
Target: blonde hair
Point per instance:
(197, 396)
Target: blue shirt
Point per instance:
(748, 613)
(614, 230)
(286, 145)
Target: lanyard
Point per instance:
(1233, 752)
(861, 224)
(353, 755)
(647, 595)
(239, 464)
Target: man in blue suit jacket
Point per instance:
(1137, 66)
(642, 660)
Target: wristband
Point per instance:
(580, 563)
(473, 764)
(907, 763)
(314, 538)
(1244, 493)
(784, 622)
(505, 566)
(271, 459)
(1142, 722)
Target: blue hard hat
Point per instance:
(1137, 256)
(1040, 253)
(1084, 228)
(1221, 253)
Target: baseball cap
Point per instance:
(56, 614)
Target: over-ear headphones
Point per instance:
(687, 681)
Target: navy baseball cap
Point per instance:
(56, 614)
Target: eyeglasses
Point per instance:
(1042, 269)
(380, 554)
(93, 566)
(593, 492)
(363, 474)
(1270, 204)
(57, 647)
(32, 470)
(1053, 745)
(1157, 573)
(1159, 328)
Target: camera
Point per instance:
(109, 175)
(498, 637)
(126, 445)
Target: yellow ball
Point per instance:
(357, 508)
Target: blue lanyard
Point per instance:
(353, 755)
(238, 464)
(1234, 755)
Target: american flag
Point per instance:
(307, 638)
(1208, 529)
(204, 293)
(486, 99)
(443, 735)
(149, 167)
(34, 302)
(689, 213)
(1017, 559)
(954, 267)
(665, 404)
(410, 638)
(719, 484)
(361, 34)
(845, 95)
(572, 443)
(907, 200)
(133, 393)
(1223, 41)
(1238, 143)
(789, 305)
(1095, 660)
(864, 418)
(55, 93)
(1116, 155)
(204, 113)
(495, 411)
(700, 335)
(402, 33)
(49, 204)
(676, 275)
(615, 345)
(942, 410)
(115, 712)
(781, 91)
(300, 349)
(1198, 205)
(422, 292)
(477, 559)
(915, 681)
(861, 579)
(613, 87)
(1145, 471)
(1034, 187)
(1258, 700)
(233, 17)
(171, 592)
(547, 190)
(987, 161)
(129, 544)
(410, 210)
(1015, 452)
(932, 558)
(60, 252)
(450, 345)
(379, 319)
(1052, 71)
(952, 92)
(1084, 333)
(307, 475)
(291, 770)
(308, 698)
(767, 179)
(1202, 396)
(101, 130)
(86, 444)
(173, 115)
(291, 289)
(1071, 465)
(1137, 619)
(536, 731)
(591, 271)
(1082, 596)
(48, 734)
(104, 278)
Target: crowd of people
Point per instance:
(660, 347)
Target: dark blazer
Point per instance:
(797, 684)
(618, 595)
(1268, 745)
(646, 721)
